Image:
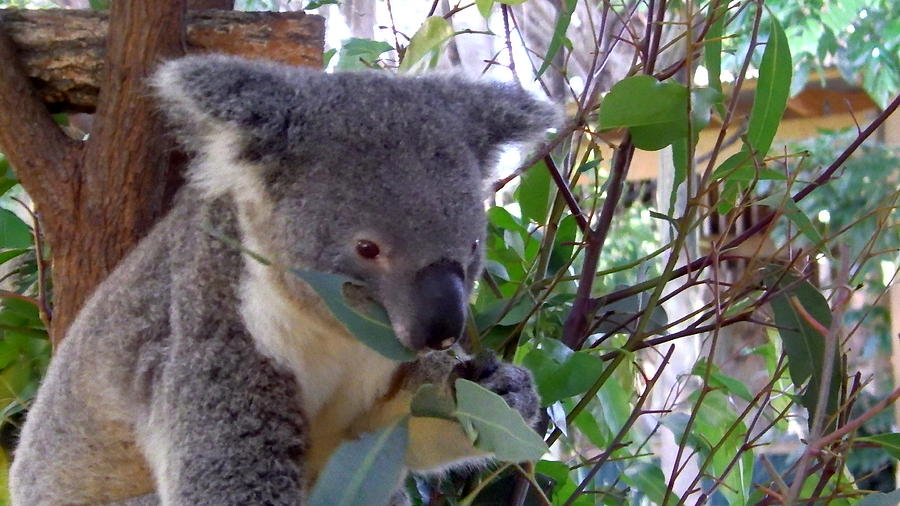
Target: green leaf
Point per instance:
(889, 442)
(430, 402)
(6, 256)
(804, 345)
(9, 352)
(315, 4)
(889, 499)
(712, 50)
(717, 379)
(14, 233)
(733, 164)
(327, 56)
(573, 377)
(99, 4)
(772, 89)
(364, 472)
(484, 7)
(649, 479)
(680, 161)
(793, 213)
(372, 329)
(7, 184)
(533, 193)
(499, 428)
(503, 219)
(433, 33)
(655, 112)
(13, 380)
(358, 54)
(558, 40)
(710, 430)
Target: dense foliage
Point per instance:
(623, 301)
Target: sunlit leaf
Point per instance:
(558, 40)
(533, 193)
(712, 50)
(484, 7)
(772, 89)
(429, 39)
(356, 54)
(656, 113)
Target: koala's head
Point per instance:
(368, 175)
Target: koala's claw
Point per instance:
(511, 382)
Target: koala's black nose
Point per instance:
(440, 307)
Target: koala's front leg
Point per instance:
(225, 426)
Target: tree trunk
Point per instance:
(97, 198)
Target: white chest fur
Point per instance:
(340, 378)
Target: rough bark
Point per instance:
(97, 198)
(63, 51)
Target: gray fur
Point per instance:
(161, 392)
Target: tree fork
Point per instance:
(96, 199)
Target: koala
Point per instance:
(197, 375)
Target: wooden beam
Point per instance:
(63, 51)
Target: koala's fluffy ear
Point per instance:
(198, 91)
(504, 114)
(226, 109)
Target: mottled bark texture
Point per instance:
(96, 198)
(63, 52)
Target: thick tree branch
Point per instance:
(64, 51)
(30, 139)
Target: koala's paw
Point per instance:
(511, 382)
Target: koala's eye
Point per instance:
(475, 245)
(367, 249)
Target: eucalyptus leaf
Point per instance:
(558, 40)
(14, 233)
(364, 472)
(430, 402)
(889, 499)
(499, 428)
(656, 113)
(804, 345)
(533, 193)
(573, 377)
(772, 89)
(484, 7)
(429, 39)
(889, 442)
(358, 54)
(712, 50)
(793, 213)
(648, 478)
(372, 329)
